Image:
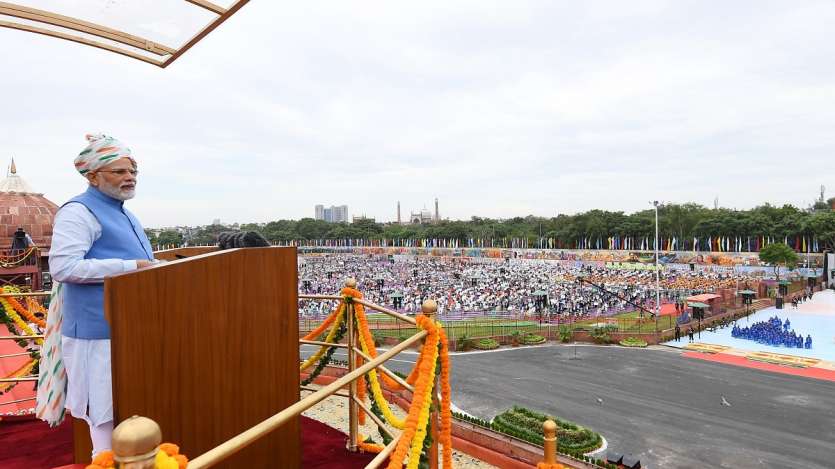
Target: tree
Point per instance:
(170, 237)
(778, 254)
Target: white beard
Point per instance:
(116, 193)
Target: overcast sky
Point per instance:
(497, 108)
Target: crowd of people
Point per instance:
(516, 287)
(773, 332)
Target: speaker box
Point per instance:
(614, 458)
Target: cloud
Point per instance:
(497, 108)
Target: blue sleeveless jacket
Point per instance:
(122, 237)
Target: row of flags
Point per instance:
(626, 243)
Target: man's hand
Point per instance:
(143, 263)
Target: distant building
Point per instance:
(362, 218)
(332, 214)
(422, 217)
(216, 221)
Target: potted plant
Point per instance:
(515, 338)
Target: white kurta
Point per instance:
(87, 361)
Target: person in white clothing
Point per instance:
(95, 236)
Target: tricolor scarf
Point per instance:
(52, 379)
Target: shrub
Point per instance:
(463, 343)
(565, 334)
(532, 339)
(633, 342)
(378, 338)
(487, 343)
(600, 335)
(527, 425)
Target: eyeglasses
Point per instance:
(120, 172)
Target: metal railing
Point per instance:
(20, 337)
(248, 437)
(237, 443)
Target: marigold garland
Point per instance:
(433, 358)
(24, 370)
(423, 416)
(26, 313)
(545, 465)
(368, 445)
(20, 323)
(365, 333)
(445, 434)
(168, 457)
(382, 403)
(313, 358)
(421, 397)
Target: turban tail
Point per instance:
(101, 151)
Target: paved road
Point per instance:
(665, 409)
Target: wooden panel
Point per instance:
(208, 347)
(82, 446)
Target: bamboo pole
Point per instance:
(353, 424)
(37, 293)
(326, 344)
(385, 370)
(21, 337)
(18, 401)
(384, 454)
(374, 417)
(430, 310)
(242, 440)
(381, 309)
(22, 379)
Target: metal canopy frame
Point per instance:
(166, 55)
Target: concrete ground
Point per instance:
(663, 408)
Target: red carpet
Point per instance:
(816, 373)
(31, 444)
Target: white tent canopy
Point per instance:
(154, 31)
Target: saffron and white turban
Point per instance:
(101, 151)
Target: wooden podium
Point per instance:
(208, 347)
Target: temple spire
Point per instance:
(13, 168)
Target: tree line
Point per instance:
(680, 221)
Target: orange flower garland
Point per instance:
(25, 312)
(403, 445)
(445, 435)
(435, 350)
(24, 370)
(315, 333)
(369, 341)
(167, 455)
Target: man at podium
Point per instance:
(95, 236)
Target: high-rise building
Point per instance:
(398, 213)
(340, 214)
(437, 215)
(332, 214)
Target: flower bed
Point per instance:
(533, 339)
(526, 425)
(486, 344)
(633, 342)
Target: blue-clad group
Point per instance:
(773, 332)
